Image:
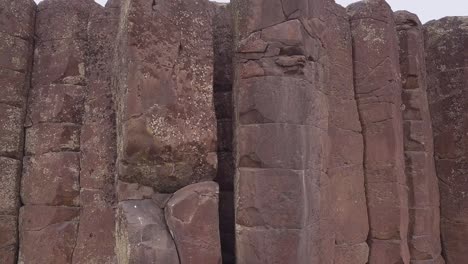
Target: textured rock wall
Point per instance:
(50, 186)
(281, 139)
(345, 161)
(16, 47)
(378, 92)
(167, 208)
(446, 42)
(166, 119)
(423, 198)
(254, 132)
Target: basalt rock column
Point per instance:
(345, 163)
(378, 92)
(446, 42)
(166, 131)
(423, 202)
(96, 240)
(16, 50)
(166, 118)
(50, 186)
(222, 87)
(281, 121)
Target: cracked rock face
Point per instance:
(260, 131)
(378, 92)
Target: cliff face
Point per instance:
(255, 132)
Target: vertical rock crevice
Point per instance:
(345, 163)
(222, 87)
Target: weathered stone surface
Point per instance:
(378, 92)
(11, 131)
(8, 238)
(51, 179)
(281, 142)
(57, 103)
(447, 57)
(17, 20)
(95, 239)
(166, 117)
(9, 186)
(142, 235)
(345, 162)
(52, 137)
(133, 191)
(424, 227)
(192, 218)
(47, 234)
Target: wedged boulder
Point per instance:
(192, 218)
(142, 235)
(166, 117)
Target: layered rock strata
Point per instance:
(16, 48)
(378, 92)
(423, 199)
(446, 42)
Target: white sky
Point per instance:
(425, 9)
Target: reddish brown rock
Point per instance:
(95, 238)
(192, 218)
(424, 225)
(9, 186)
(51, 179)
(446, 42)
(47, 234)
(378, 92)
(142, 235)
(17, 20)
(8, 238)
(11, 131)
(52, 137)
(345, 161)
(166, 117)
(281, 185)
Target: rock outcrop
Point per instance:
(260, 131)
(446, 42)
